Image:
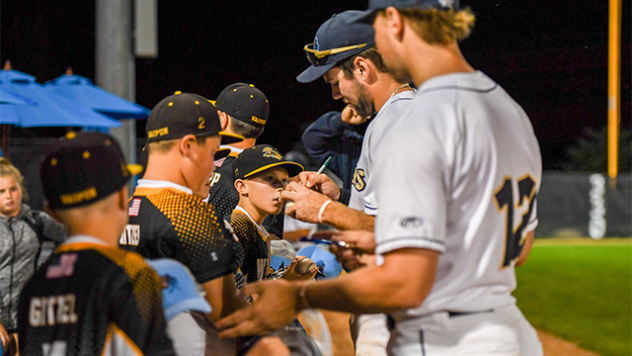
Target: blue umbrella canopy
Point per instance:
(7, 97)
(50, 109)
(81, 90)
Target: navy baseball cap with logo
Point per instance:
(245, 103)
(375, 5)
(336, 39)
(259, 158)
(184, 114)
(82, 169)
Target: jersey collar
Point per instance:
(150, 183)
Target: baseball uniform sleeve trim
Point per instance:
(410, 242)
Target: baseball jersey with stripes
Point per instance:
(92, 299)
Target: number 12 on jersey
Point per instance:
(504, 199)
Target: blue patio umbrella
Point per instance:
(81, 90)
(44, 109)
(7, 97)
(50, 109)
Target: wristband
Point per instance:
(322, 209)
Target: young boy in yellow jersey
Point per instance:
(260, 176)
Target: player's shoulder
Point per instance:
(132, 263)
(242, 224)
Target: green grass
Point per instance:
(580, 290)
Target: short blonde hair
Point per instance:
(8, 169)
(161, 146)
(440, 26)
(165, 146)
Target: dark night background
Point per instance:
(551, 56)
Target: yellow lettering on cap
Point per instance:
(258, 120)
(78, 197)
(53, 162)
(86, 154)
(158, 132)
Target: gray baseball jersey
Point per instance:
(460, 175)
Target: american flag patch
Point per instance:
(65, 268)
(133, 210)
(219, 162)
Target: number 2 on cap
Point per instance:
(201, 125)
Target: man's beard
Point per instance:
(364, 104)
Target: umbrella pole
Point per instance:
(5, 140)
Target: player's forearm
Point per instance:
(390, 287)
(221, 294)
(342, 217)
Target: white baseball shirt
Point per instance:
(459, 175)
(363, 194)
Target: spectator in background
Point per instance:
(22, 231)
(339, 135)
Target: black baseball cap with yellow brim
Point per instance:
(84, 168)
(259, 158)
(184, 114)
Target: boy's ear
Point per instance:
(241, 186)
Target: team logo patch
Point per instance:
(270, 152)
(316, 45)
(358, 181)
(411, 222)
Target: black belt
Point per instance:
(457, 314)
(390, 322)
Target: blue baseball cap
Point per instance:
(374, 5)
(335, 40)
(179, 294)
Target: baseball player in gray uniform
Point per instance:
(357, 76)
(459, 206)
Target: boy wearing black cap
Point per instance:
(243, 110)
(168, 217)
(260, 176)
(90, 297)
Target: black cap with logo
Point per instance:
(245, 103)
(184, 114)
(84, 168)
(259, 158)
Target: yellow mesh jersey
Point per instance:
(174, 224)
(256, 260)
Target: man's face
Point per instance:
(264, 190)
(10, 196)
(351, 91)
(204, 160)
(385, 46)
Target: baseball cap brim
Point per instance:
(195, 304)
(228, 138)
(292, 168)
(221, 153)
(314, 72)
(135, 169)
